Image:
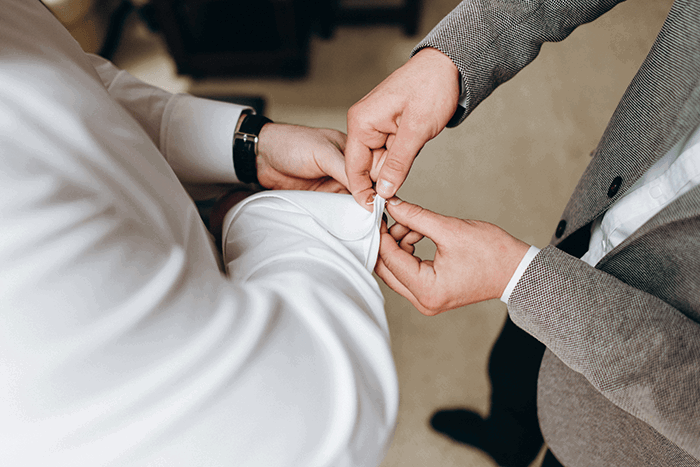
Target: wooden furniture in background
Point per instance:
(264, 37)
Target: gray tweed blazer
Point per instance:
(619, 383)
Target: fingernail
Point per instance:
(370, 200)
(395, 201)
(385, 186)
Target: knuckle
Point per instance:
(396, 164)
(355, 115)
(352, 114)
(414, 210)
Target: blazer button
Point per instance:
(560, 228)
(614, 187)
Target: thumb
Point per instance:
(417, 218)
(400, 156)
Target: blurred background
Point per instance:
(513, 162)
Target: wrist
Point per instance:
(442, 65)
(438, 57)
(266, 141)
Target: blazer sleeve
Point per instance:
(640, 351)
(194, 134)
(490, 41)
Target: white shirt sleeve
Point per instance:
(194, 134)
(122, 343)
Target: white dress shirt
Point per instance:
(671, 176)
(121, 341)
(674, 174)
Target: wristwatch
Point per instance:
(245, 147)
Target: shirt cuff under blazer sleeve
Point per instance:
(524, 263)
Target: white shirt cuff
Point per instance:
(197, 138)
(463, 100)
(524, 263)
(462, 94)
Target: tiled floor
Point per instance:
(514, 162)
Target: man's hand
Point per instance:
(292, 157)
(389, 126)
(474, 260)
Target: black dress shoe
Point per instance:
(506, 442)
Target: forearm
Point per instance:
(636, 349)
(490, 43)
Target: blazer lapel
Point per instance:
(660, 106)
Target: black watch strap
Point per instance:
(245, 147)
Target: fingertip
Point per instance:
(365, 198)
(385, 188)
(397, 205)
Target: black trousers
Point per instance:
(550, 460)
(514, 365)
